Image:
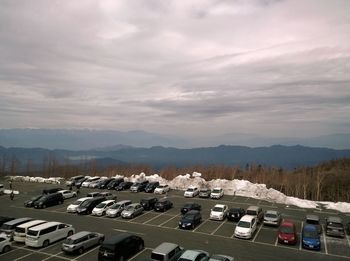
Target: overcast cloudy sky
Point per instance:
(206, 67)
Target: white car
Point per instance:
(219, 212)
(217, 193)
(246, 227)
(5, 244)
(101, 208)
(87, 183)
(72, 208)
(161, 189)
(191, 192)
(68, 193)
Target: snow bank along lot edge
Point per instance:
(155, 228)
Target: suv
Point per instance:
(151, 187)
(257, 212)
(49, 200)
(167, 252)
(335, 227)
(81, 241)
(148, 203)
(235, 214)
(139, 186)
(120, 247)
(217, 193)
(314, 220)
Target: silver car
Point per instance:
(117, 208)
(272, 218)
(5, 244)
(81, 241)
(132, 210)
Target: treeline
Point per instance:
(327, 181)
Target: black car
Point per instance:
(139, 186)
(104, 183)
(190, 206)
(5, 219)
(30, 203)
(87, 206)
(235, 214)
(79, 182)
(190, 220)
(49, 200)
(163, 205)
(151, 187)
(51, 190)
(148, 203)
(114, 183)
(124, 185)
(120, 247)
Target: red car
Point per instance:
(287, 233)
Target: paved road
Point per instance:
(155, 228)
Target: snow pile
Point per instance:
(341, 206)
(51, 180)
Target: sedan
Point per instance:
(191, 192)
(217, 257)
(272, 218)
(194, 255)
(101, 208)
(162, 189)
(310, 237)
(132, 210)
(218, 212)
(30, 203)
(204, 193)
(81, 241)
(235, 214)
(190, 206)
(217, 193)
(163, 205)
(5, 244)
(287, 233)
(68, 193)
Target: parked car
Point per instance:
(124, 185)
(217, 193)
(314, 220)
(219, 212)
(191, 192)
(190, 206)
(4, 219)
(21, 230)
(87, 206)
(190, 220)
(348, 228)
(151, 186)
(103, 184)
(310, 237)
(246, 227)
(162, 189)
(108, 195)
(272, 218)
(120, 247)
(95, 183)
(167, 252)
(2, 189)
(94, 194)
(139, 186)
(51, 190)
(204, 193)
(148, 203)
(9, 227)
(114, 183)
(217, 257)
(132, 210)
(335, 227)
(72, 208)
(79, 182)
(87, 182)
(116, 209)
(68, 193)
(287, 233)
(47, 233)
(30, 203)
(194, 255)
(235, 214)
(5, 244)
(257, 212)
(72, 181)
(101, 208)
(49, 200)
(163, 204)
(81, 241)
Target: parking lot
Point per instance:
(215, 237)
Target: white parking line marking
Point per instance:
(325, 241)
(168, 220)
(23, 257)
(142, 215)
(222, 223)
(36, 252)
(121, 230)
(153, 218)
(194, 230)
(139, 253)
(257, 233)
(347, 238)
(301, 232)
(52, 256)
(86, 253)
(276, 242)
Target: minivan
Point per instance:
(120, 247)
(49, 200)
(167, 252)
(44, 234)
(9, 227)
(21, 230)
(87, 206)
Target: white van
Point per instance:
(21, 230)
(45, 234)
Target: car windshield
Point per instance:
(234, 210)
(251, 212)
(189, 217)
(333, 224)
(85, 203)
(136, 184)
(310, 234)
(190, 189)
(189, 205)
(43, 198)
(101, 205)
(116, 206)
(32, 232)
(36, 198)
(77, 203)
(270, 215)
(243, 224)
(6, 226)
(69, 241)
(287, 230)
(218, 209)
(204, 190)
(216, 190)
(184, 259)
(128, 208)
(161, 186)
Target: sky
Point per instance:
(185, 68)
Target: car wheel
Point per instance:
(46, 243)
(192, 226)
(121, 258)
(132, 216)
(70, 233)
(74, 195)
(44, 206)
(6, 249)
(141, 246)
(81, 250)
(100, 241)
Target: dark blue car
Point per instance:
(311, 238)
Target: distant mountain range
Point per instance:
(278, 156)
(84, 139)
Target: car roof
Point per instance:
(164, 247)
(134, 204)
(79, 235)
(217, 188)
(18, 220)
(83, 199)
(190, 254)
(310, 227)
(271, 212)
(45, 225)
(116, 238)
(108, 201)
(192, 212)
(253, 208)
(287, 223)
(105, 193)
(313, 217)
(123, 201)
(32, 223)
(192, 187)
(219, 206)
(334, 219)
(247, 218)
